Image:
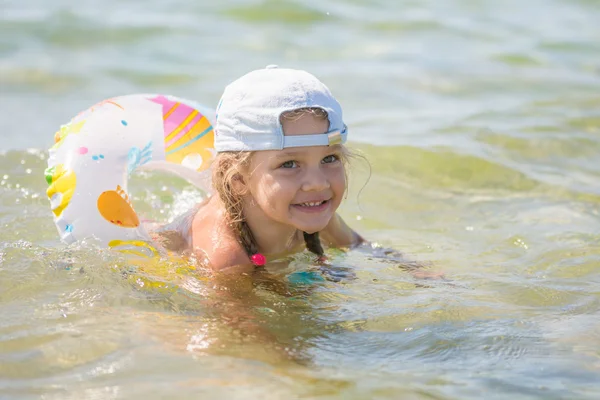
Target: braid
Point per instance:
(240, 226)
(313, 243)
(246, 238)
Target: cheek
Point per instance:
(337, 180)
(270, 195)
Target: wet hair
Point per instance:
(229, 166)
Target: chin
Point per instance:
(311, 228)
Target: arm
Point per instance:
(339, 234)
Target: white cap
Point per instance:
(248, 115)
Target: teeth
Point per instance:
(312, 203)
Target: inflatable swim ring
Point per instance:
(94, 154)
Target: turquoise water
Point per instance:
(481, 123)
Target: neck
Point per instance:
(272, 238)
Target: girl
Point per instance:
(279, 175)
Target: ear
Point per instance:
(238, 184)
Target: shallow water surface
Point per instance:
(481, 124)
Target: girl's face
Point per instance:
(302, 186)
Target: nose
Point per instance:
(315, 180)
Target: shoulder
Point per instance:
(226, 256)
(338, 234)
(215, 244)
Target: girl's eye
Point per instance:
(330, 159)
(289, 164)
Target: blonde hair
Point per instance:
(229, 167)
(294, 115)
